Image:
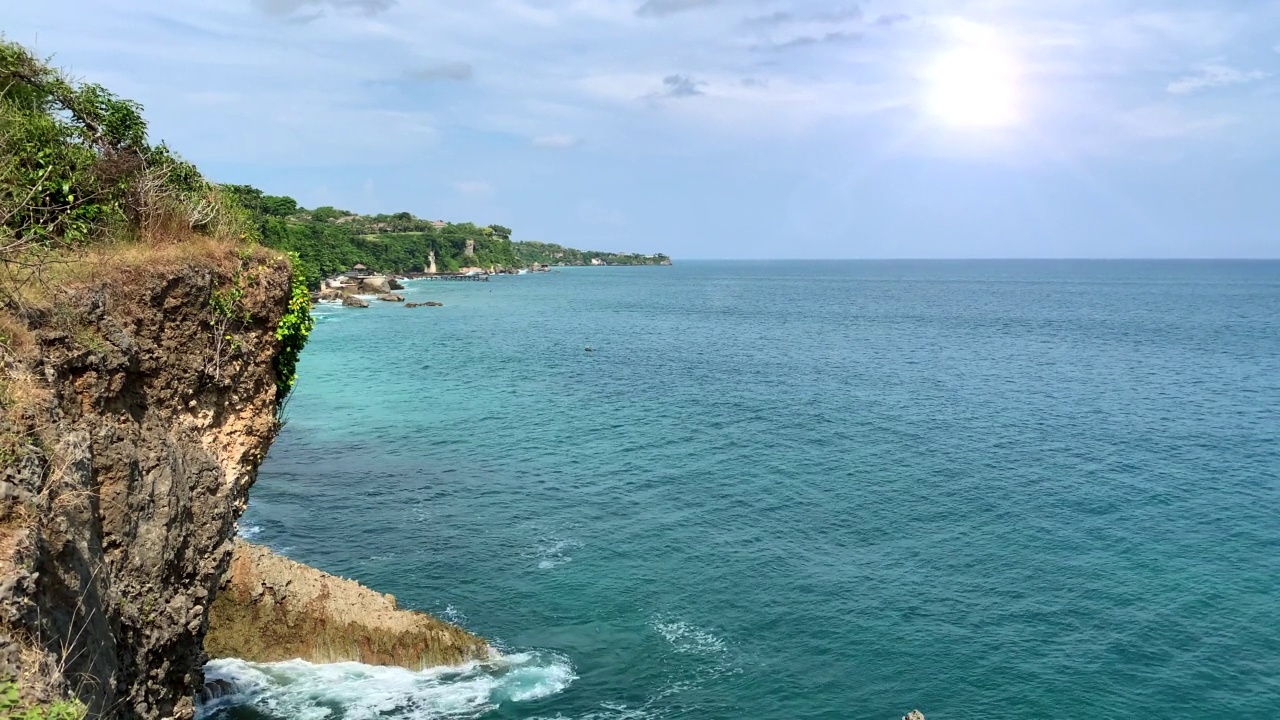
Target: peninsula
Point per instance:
(329, 242)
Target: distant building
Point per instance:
(437, 224)
(359, 271)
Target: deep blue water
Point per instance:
(801, 490)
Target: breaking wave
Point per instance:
(353, 691)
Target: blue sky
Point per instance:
(721, 128)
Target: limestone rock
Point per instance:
(391, 297)
(395, 284)
(375, 284)
(274, 609)
(913, 715)
(355, 301)
(151, 443)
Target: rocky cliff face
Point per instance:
(149, 402)
(273, 609)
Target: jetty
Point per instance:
(458, 276)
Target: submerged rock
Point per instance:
(429, 303)
(273, 609)
(354, 301)
(214, 689)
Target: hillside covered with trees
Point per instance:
(551, 254)
(329, 241)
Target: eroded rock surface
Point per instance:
(125, 475)
(274, 609)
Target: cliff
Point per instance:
(274, 609)
(139, 396)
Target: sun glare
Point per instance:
(974, 86)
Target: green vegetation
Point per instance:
(76, 167)
(292, 332)
(12, 707)
(552, 254)
(78, 172)
(330, 241)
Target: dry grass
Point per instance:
(23, 394)
(25, 397)
(16, 340)
(40, 284)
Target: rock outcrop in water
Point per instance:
(274, 609)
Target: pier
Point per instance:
(456, 276)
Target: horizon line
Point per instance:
(975, 259)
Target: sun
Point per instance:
(974, 87)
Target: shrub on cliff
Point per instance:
(76, 167)
(12, 707)
(76, 171)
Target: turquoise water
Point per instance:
(799, 490)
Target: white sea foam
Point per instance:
(250, 532)
(686, 638)
(555, 552)
(455, 616)
(303, 690)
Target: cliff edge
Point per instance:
(139, 399)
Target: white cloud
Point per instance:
(223, 84)
(289, 7)
(556, 141)
(473, 187)
(1163, 122)
(444, 71)
(1213, 76)
(662, 8)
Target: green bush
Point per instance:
(75, 166)
(292, 332)
(12, 707)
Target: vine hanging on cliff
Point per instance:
(293, 330)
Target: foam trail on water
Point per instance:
(306, 691)
(555, 552)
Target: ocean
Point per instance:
(781, 490)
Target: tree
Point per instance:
(279, 205)
(327, 213)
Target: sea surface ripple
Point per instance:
(799, 490)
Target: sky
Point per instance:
(724, 128)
